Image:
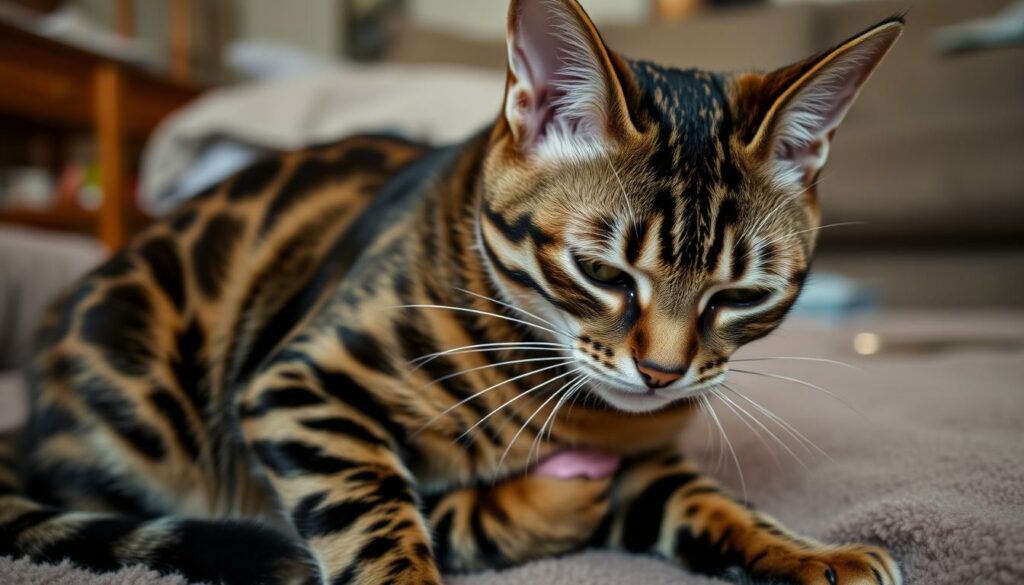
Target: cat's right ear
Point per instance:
(803, 104)
(563, 97)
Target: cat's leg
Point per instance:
(517, 520)
(664, 505)
(329, 452)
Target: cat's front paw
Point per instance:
(841, 565)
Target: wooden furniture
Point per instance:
(59, 86)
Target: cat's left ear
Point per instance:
(565, 97)
(809, 100)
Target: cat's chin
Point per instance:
(633, 402)
(636, 400)
(642, 400)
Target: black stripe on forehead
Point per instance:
(636, 233)
(692, 158)
(725, 218)
(767, 258)
(518, 229)
(740, 257)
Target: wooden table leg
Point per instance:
(112, 218)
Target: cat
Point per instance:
(343, 364)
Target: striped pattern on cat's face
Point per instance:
(674, 225)
(661, 218)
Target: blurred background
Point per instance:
(113, 111)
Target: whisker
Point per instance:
(792, 454)
(491, 365)
(525, 424)
(485, 391)
(802, 359)
(486, 313)
(517, 309)
(708, 436)
(575, 384)
(733, 408)
(719, 447)
(803, 383)
(749, 234)
(579, 392)
(790, 430)
(571, 395)
(782, 203)
(494, 350)
(728, 443)
(625, 195)
(799, 437)
(500, 347)
(815, 229)
(520, 395)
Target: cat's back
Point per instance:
(235, 253)
(163, 327)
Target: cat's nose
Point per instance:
(657, 375)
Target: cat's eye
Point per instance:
(738, 297)
(601, 272)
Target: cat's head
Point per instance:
(659, 218)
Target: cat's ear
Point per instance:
(564, 97)
(809, 100)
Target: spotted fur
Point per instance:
(339, 364)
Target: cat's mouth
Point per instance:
(639, 399)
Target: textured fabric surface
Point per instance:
(931, 467)
(23, 572)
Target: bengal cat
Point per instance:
(337, 367)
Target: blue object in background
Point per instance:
(833, 296)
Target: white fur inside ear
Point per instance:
(803, 130)
(558, 103)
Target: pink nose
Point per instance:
(658, 376)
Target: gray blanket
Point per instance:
(932, 467)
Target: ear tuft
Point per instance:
(798, 129)
(560, 87)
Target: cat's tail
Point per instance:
(205, 551)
